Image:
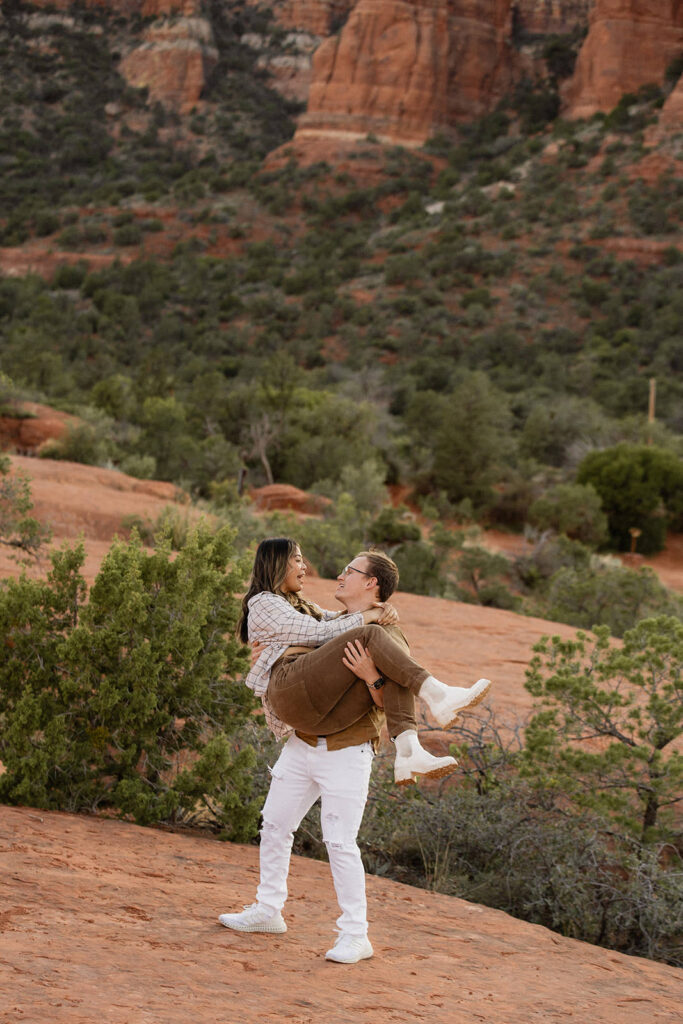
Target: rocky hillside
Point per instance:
(90, 937)
(214, 291)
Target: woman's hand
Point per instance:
(382, 612)
(257, 649)
(361, 664)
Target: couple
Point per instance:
(327, 675)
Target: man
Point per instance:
(335, 768)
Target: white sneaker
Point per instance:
(349, 949)
(412, 759)
(444, 702)
(254, 919)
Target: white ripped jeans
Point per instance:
(340, 778)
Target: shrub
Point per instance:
(609, 595)
(70, 275)
(482, 575)
(18, 529)
(394, 526)
(127, 700)
(514, 844)
(630, 696)
(128, 234)
(641, 487)
(572, 509)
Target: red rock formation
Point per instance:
(176, 52)
(630, 43)
(321, 17)
(551, 16)
(173, 61)
(287, 497)
(672, 111)
(403, 70)
(32, 427)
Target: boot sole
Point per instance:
(257, 928)
(472, 704)
(437, 773)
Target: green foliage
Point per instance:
(394, 526)
(363, 482)
(470, 440)
(18, 530)
(611, 595)
(482, 578)
(641, 487)
(630, 697)
(128, 700)
(572, 509)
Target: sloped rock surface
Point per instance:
(107, 923)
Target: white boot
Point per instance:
(413, 759)
(444, 702)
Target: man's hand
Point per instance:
(361, 664)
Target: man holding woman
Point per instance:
(331, 696)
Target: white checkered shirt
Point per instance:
(275, 622)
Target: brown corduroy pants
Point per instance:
(316, 694)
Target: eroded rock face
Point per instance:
(34, 427)
(320, 17)
(173, 61)
(551, 16)
(672, 111)
(176, 52)
(629, 44)
(404, 70)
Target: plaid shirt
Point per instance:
(275, 622)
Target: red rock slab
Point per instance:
(104, 922)
(287, 497)
(88, 503)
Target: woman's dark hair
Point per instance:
(271, 564)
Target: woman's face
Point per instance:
(296, 572)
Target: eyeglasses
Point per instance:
(351, 568)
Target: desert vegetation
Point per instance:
(475, 325)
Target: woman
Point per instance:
(318, 691)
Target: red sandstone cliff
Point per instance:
(319, 17)
(630, 43)
(403, 70)
(173, 61)
(551, 16)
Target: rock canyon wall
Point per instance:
(403, 70)
(406, 69)
(629, 44)
(545, 17)
(173, 61)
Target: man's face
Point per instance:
(357, 587)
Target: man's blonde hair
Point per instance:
(384, 569)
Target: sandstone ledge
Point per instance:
(107, 923)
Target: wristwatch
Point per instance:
(378, 683)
